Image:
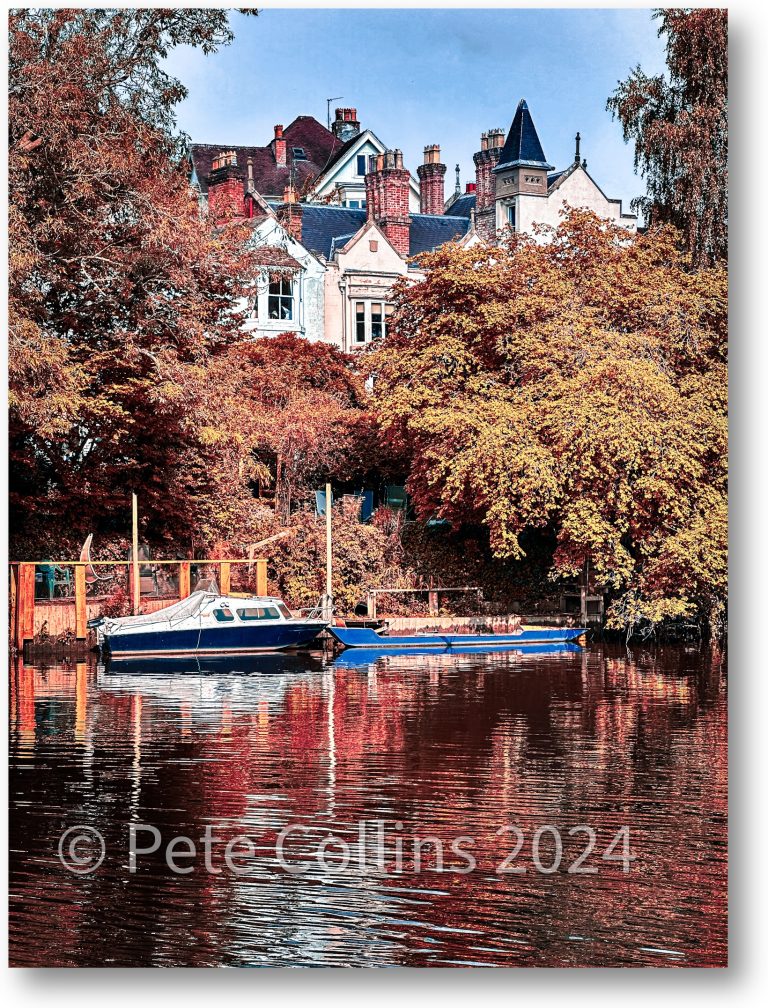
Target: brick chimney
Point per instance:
(290, 213)
(387, 191)
(226, 198)
(486, 160)
(279, 147)
(432, 178)
(346, 124)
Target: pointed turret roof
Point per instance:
(523, 147)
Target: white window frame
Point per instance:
(387, 310)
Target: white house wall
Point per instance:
(578, 190)
(308, 291)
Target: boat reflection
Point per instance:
(357, 657)
(275, 663)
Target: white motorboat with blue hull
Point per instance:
(209, 624)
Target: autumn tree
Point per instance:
(574, 384)
(679, 127)
(120, 292)
(304, 410)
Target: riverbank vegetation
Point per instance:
(556, 407)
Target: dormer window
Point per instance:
(280, 304)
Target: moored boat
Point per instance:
(209, 624)
(365, 637)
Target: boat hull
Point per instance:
(215, 640)
(366, 638)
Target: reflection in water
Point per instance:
(389, 759)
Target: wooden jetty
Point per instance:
(68, 616)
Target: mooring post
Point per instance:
(225, 577)
(434, 606)
(13, 603)
(81, 607)
(261, 577)
(136, 593)
(25, 596)
(184, 579)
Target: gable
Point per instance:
(358, 254)
(577, 188)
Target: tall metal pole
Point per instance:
(328, 553)
(135, 554)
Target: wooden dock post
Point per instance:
(225, 577)
(25, 605)
(13, 603)
(81, 608)
(184, 579)
(261, 577)
(434, 605)
(136, 584)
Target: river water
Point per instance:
(296, 811)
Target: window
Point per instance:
(377, 320)
(253, 306)
(354, 204)
(361, 166)
(258, 613)
(281, 299)
(284, 610)
(299, 154)
(360, 321)
(371, 320)
(511, 216)
(389, 311)
(223, 615)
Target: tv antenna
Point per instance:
(328, 108)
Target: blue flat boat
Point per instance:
(365, 637)
(209, 624)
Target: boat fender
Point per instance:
(338, 621)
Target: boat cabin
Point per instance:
(226, 609)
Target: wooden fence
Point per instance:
(28, 613)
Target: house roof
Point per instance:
(461, 206)
(429, 231)
(522, 146)
(269, 178)
(325, 229)
(321, 226)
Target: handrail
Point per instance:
(126, 563)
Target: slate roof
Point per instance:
(324, 229)
(522, 146)
(320, 225)
(462, 206)
(269, 178)
(429, 231)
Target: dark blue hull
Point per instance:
(236, 639)
(354, 637)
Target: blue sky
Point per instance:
(421, 76)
